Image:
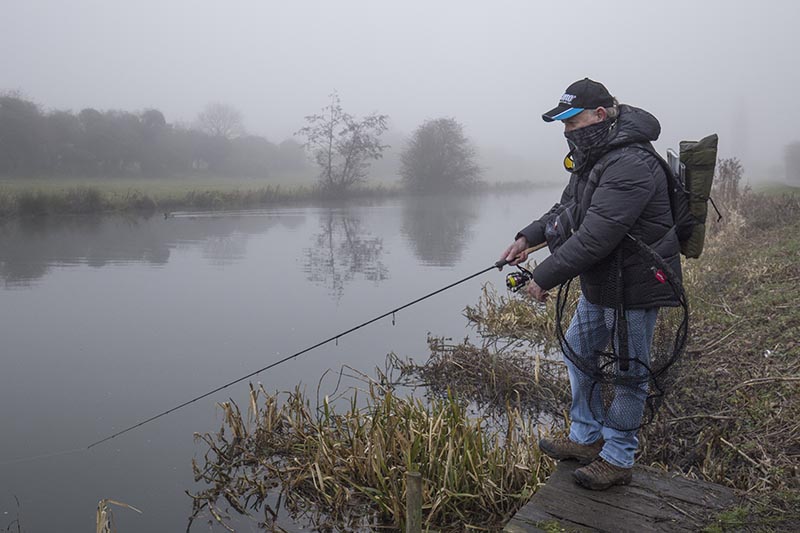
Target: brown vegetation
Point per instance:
(347, 470)
(734, 415)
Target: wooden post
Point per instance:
(413, 502)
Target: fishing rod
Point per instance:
(498, 265)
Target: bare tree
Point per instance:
(729, 174)
(342, 145)
(439, 157)
(221, 120)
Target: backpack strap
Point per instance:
(682, 217)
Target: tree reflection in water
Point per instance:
(438, 227)
(30, 248)
(342, 251)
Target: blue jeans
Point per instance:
(589, 331)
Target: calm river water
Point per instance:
(106, 321)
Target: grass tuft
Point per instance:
(347, 469)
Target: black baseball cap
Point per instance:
(583, 94)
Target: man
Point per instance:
(617, 194)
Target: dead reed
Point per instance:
(494, 380)
(347, 469)
(508, 318)
(105, 518)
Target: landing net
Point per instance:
(623, 356)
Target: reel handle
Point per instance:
(503, 262)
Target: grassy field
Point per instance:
(777, 188)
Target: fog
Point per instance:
(700, 67)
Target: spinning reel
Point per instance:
(517, 280)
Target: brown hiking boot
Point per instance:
(601, 475)
(562, 448)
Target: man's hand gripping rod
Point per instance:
(503, 262)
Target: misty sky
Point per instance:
(725, 66)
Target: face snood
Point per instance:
(583, 141)
(589, 136)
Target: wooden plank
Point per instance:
(578, 510)
(685, 489)
(511, 528)
(655, 501)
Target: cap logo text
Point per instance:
(567, 98)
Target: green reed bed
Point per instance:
(140, 196)
(346, 468)
(83, 200)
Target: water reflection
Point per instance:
(342, 250)
(167, 324)
(29, 248)
(439, 227)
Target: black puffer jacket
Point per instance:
(623, 192)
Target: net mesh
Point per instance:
(619, 359)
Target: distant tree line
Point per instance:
(37, 143)
(116, 143)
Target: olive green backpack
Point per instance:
(693, 174)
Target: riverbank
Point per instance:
(20, 199)
(734, 415)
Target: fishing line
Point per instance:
(500, 264)
(41, 456)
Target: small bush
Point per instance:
(32, 203)
(140, 202)
(83, 201)
(762, 211)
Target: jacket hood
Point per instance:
(634, 125)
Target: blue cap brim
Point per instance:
(564, 115)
